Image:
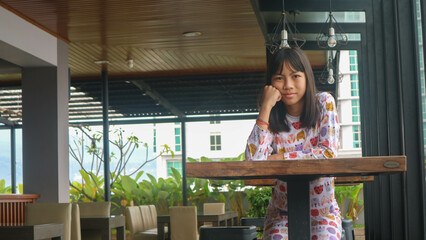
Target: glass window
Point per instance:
(214, 122)
(422, 71)
(176, 165)
(352, 16)
(354, 85)
(355, 110)
(177, 140)
(215, 141)
(356, 136)
(353, 60)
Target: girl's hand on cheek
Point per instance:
(271, 96)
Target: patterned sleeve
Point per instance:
(259, 144)
(327, 143)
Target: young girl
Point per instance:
(296, 122)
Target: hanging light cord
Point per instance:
(330, 14)
(283, 13)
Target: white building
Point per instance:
(215, 140)
(348, 105)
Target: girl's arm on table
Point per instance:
(259, 143)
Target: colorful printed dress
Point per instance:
(302, 143)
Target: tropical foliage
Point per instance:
(129, 188)
(86, 150)
(258, 199)
(8, 189)
(352, 194)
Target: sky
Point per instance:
(5, 156)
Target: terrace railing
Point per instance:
(12, 208)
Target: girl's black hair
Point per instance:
(295, 59)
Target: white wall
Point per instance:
(24, 44)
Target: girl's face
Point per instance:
(292, 86)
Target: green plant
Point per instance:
(4, 188)
(356, 205)
(85, 150)
(258, 199)
(200, 190)
(160, 192)
(8, 189)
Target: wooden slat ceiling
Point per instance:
(197, 74)
(150, 32)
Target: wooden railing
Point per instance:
(12, 208)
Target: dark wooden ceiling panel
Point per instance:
(150, 32)
(221, 71)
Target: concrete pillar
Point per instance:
(45, 96)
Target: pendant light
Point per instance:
(331, 34)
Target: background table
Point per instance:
(339, 181)
(298, 174)
(227, 218)
(41, 231)
(105, 225)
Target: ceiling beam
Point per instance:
(352, 45)
(314, 5)
(157, 97)
(7, 122)
(315, 27)
(171, 120)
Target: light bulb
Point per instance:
(284, 37)
(331, 41)
(330, 78)
(130, 62)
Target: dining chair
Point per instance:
(153, 214)
(44, 213)
(75, 222)
(94, 210)
(213, 208)
(183, 223)
(147, 220)
(135, 225)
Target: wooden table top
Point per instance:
(296, 169)
(97, 223)
(201, 217)
(39, 231)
